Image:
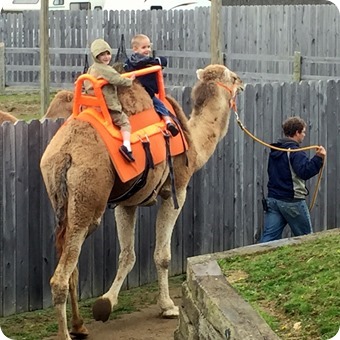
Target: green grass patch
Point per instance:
(295, 288)
(42, 323)
(24, 106)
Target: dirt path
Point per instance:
(145, 324)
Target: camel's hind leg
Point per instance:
(125, 221)
(78, 328)
(74, 238)
(166, 219)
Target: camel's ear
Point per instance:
(199, 74)
(227, 74)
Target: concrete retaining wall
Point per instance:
(212, 309)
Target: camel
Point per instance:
(60, 106)
(7, 117)
(79, 176)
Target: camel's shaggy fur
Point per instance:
(7, 117)
(79, 176)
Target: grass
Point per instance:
(295, 288)
(42, 323)
(25, 106)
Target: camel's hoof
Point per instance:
(101, 309)
(78, 335)
(172, 313)
(81, 333)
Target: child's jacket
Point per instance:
(149, 81)
(100, 70)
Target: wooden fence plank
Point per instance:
(228, 154)
(332, 114)
(260, 155)
(2, 198)
(9, 221)
(21, 218)
(34, 217)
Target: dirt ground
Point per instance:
(145, 324)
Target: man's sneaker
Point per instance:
(172, 128)
(126, 153)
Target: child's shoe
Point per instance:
(172, 128)
(126, 153)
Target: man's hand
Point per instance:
(321, 152)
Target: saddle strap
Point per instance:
(180, 129)
(140, 182)
(171, 170)
(149, 160)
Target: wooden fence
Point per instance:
(222, 211)
(258, 42)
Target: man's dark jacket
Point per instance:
(288, 171)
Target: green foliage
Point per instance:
(300, 281)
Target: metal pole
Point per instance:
(44, 58)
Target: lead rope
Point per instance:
(243, 128)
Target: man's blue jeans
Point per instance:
(279, 213)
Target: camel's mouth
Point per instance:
(240, 88)
(238, 84)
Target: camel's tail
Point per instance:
(56, 184)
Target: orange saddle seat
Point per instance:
(146, 126)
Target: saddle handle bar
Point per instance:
(99, 83)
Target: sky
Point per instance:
(337, 4)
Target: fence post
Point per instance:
(2, 67)
(215, 32)
(297, 66)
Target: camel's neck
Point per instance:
(208, 125)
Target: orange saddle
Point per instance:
(146, 126)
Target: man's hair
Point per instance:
(292, 125)
(135, 41)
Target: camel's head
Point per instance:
(61, 106)
(7, 117)
(211, 79)
(221, 74)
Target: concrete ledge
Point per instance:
(211, 307)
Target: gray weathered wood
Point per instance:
(44, 58)
(258, 41)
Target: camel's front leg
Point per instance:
(125, 221)
(166, 219)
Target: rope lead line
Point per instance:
(243, 128)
